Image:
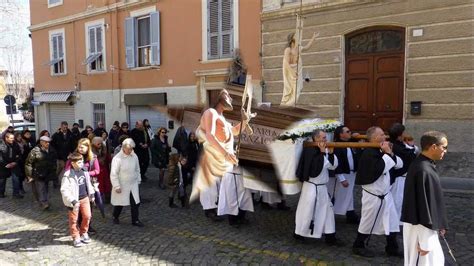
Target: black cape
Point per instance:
(343, 161)
(406, 155)
(370, 166)
(311, 163)
(423, 201)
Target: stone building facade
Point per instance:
(375, 61)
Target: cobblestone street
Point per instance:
(185, 236)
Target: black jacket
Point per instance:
(423, 201)
(180, 140)
(140, 136)
(192, 153)
(41, 165)
(98, 131)
(119, 134)
(63, 144)
(9, 153)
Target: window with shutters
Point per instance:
(57, 52)
(98, 113)
(142, 40)
(53, 3)
(220, 29)
(95, 45)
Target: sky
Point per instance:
(14, 23)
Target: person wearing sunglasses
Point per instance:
(160, 150)
(341, 188)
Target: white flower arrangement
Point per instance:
(305, 128)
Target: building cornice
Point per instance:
(313, 7)
(90, 13)
(212, 72)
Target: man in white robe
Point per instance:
(407, 154)
(234, 199)
(209, 198)
(424, 212)
(341, 188)
(378, 215)
(314, 214)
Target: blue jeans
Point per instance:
(15, 183)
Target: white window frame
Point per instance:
(136, 15)
(51, 34)
(137, 48)
(87, 26)
(94, 123)
(204, 8)
(142, 12)
(55, 4)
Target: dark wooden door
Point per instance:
(374, 78)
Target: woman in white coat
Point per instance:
(125, 178)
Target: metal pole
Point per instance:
(11, 115)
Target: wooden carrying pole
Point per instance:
(365, 137)
(344, 144)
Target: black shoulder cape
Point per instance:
(406, 155)
(311, 163)
(343, 165)
(423, 201)
(371, 166)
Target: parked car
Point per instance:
(19, 127)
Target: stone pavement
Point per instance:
(184, 236)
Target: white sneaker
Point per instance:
(77, 243)
(85, 238)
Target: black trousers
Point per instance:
(235, 219)
(134, 206)
(392, 244)
(143, 161)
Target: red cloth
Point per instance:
(105, 186)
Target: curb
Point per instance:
(457, 185)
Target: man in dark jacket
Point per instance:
(40, 168)
(142, 142)
(9, 158)
(123, 130)
(113, 134)
(62, 141)
(100, 129)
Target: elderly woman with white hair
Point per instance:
(125, 178)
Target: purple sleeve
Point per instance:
(67, 166)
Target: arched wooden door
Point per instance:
(374, 78)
